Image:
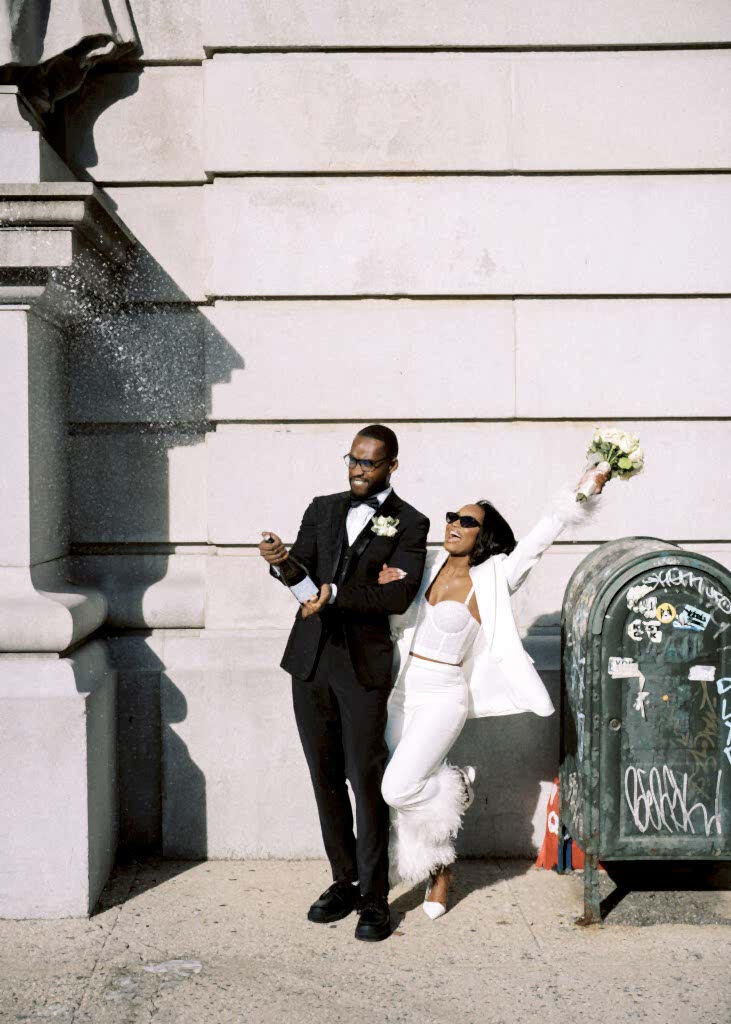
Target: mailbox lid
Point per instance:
(665, 722)
(596, 572)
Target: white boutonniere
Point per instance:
(384, 526)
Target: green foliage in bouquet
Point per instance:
(621, 450)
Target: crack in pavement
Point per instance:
(511, 890)
(117, 912)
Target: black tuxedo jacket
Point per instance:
(362, 606)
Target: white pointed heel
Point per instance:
(433, 910)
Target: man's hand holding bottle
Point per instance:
(271, 549)
(318, 602)
(291, 573)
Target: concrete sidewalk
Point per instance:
(228, 942)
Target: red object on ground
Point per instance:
(548, 857)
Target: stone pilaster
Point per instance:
(59, 249)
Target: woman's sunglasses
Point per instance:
(466, 522)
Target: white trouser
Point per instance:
(426, 713)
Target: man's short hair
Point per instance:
(385, 435)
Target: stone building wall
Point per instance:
(491, 225)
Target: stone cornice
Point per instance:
(61, 248)
(77, 207)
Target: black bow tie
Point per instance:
(358, 502)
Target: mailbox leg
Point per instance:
(592, 909)
(564, 850)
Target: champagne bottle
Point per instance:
(293, 574)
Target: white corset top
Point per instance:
(445, 631)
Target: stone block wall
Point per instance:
(490, 225)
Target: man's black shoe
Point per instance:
(374, 923)
(334, 904)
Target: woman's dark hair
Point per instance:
(385, 435)
(495, 536)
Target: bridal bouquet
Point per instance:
(611, 453)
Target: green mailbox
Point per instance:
(645, 708)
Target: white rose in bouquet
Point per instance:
(611, 453)
(637, 458)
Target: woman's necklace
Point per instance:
(455, 576)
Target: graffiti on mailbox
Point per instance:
(577, 663)
(674, 576)
(573, 802)
(702, 746)
(690, 617)
(658, 800)
(724, 686)
(667, 629)
(683, 647)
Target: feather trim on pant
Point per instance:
(422, 840)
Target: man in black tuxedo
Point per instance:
(339, 655)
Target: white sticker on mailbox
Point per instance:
(702, 673)
(626, 668)
(638, 629)
(636, 594)
(692, 618)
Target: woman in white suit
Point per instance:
(458, 655)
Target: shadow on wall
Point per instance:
(516, 757)
(138, 398)
(73, 128)
(140, 375)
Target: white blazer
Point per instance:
(499, 672)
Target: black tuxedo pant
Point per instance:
(342, 727)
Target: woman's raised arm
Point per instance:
(563, 511)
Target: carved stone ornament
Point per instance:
(47, 47)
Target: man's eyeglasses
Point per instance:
(466, 522)
(367, 464)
